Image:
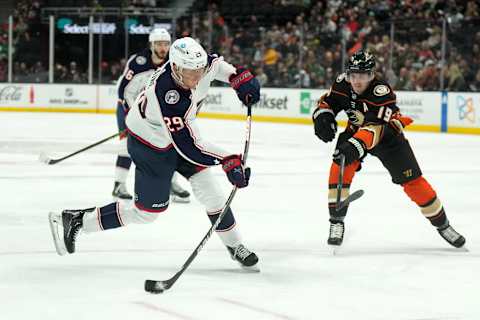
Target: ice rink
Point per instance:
(393, 264)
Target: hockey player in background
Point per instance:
(375, 126)
(164, 138)
(138, 70)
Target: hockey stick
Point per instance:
(159, 286)
(47, 160)
(354, 196)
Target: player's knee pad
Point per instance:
(207, 190)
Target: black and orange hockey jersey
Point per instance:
(369, 111)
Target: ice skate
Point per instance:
(70, 223)
(120, 191)
(452, 236)
(337, 229)
(246, 258)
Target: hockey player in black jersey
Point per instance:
(375, 126)
(164, 138)
(139, 68)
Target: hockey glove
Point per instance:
(237, 174)
(353, 149)
(246, 86)
(325, 124)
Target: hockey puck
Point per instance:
(153, 286)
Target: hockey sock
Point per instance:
(422, 193)
(104, 218)
(226, 230)
(121, 170)
(348, 175)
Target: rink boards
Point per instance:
(456, 112)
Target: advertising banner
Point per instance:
(456, 112)
(463, 110)
(424, 108)
(46, 96)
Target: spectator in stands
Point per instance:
(261, 76)
(271, 39)
(456, 81)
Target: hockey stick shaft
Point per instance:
(352, 197)
(54, 161)
(340, 182)
(155, 286)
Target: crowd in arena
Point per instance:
(290, 43)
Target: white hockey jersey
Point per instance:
(137, 72)
(164, 114)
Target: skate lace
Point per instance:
(336, 230)
(450, 234)
(241, 252)
(76, 230)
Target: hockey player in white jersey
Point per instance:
(138, 70)
(164, 138)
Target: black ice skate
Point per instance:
(337, 229)
(178, 194)
(120, 191)
(244, 257)
(71, 222)
(452, 236)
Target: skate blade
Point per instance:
(54, 221)
(251, 269)
(178, 199)
(335, 250)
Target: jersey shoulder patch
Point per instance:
(380, 93)
(140, 60)
(381, 90)
(172, 96)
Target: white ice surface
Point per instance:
(393, 264)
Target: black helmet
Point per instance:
(361, 62)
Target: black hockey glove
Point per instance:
(246, 86)
(353, 149)
(325, 124)
(236, 172)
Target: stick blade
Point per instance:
(155, 287)
(354, 196)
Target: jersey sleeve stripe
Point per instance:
(394, 101)
(340, 93)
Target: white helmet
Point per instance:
(187, 53)
(159, 34)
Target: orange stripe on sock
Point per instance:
(348, 173)
(419, 191)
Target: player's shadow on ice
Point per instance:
(415, 251)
